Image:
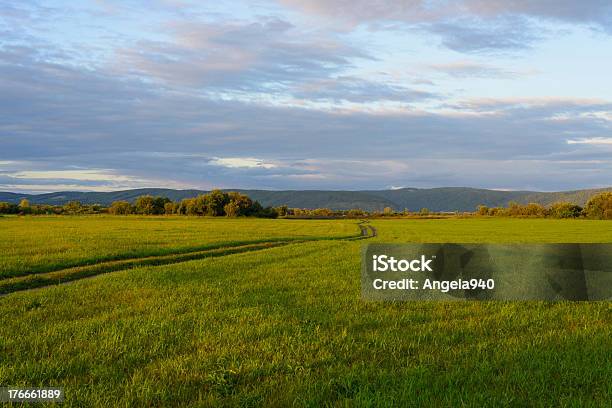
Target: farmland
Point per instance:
(283, 325)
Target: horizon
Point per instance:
(278, 95)
(296, 190)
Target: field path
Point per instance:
(366, 230)
(65, 275)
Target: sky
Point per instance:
(294, 94)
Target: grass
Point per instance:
(31, 281)
(44, 244)
(498, 230)
(286, 326)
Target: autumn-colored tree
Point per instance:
(482, 210)
(8, 208)
(169, 208)
(215, 201)
(599, 206)
(73, 207)
(24, 204)
(231, 209)
(565, 210)
(120, 208)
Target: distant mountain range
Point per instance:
(435, 199)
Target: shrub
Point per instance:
(73, 207)
(533, 210)
(231, 209)
(120, 208)
(599, 206)
(565, 210)
(8, 208)
(169, 208)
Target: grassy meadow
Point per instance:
(284, 325)
(41, 244)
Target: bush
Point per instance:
(73, 207)
(282, 211)
(533, 210)
(8, 208)
(120, 208)
(599, 206)
(231, 209)
(267, 212)
(356, 213)
(169, 208)
(565, 210)
(149, 205)
(24, 206)
(215, 201)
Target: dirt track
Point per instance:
(78, 272)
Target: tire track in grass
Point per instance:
(365, 231)
(145, 254)
(65, 275)
(70, 274)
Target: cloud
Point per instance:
(241, 162)
(469, 69)
(166, 114)
(471, 35)
(357, 90)
(263, 56)
(70, 179)
(592, 141)
(539, 107)
(597, 12)
(55, 117)
(466, 25)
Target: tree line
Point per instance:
(218, 203)
(598, 207)
(214, 204)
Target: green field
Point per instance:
(282, 325)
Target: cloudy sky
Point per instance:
(295, 94)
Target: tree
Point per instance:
(497, 211)
(424, 211)
(322, 212)
(482, 210)
(8, 208)
(199, 205)
(159, 205)
(514, 209)
(242, 203)
(231, 209)
(215, 201)
(533, 210)
(120, 208)
(73, 207)
(565, 210)
(187, 206)
(149, 205)
(355, 213)
(144, 205)
(24, 206)
(387, 211)
(267, 212)
(282, 211)
(599, 206)
(169, 208)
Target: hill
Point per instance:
(436, 199)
